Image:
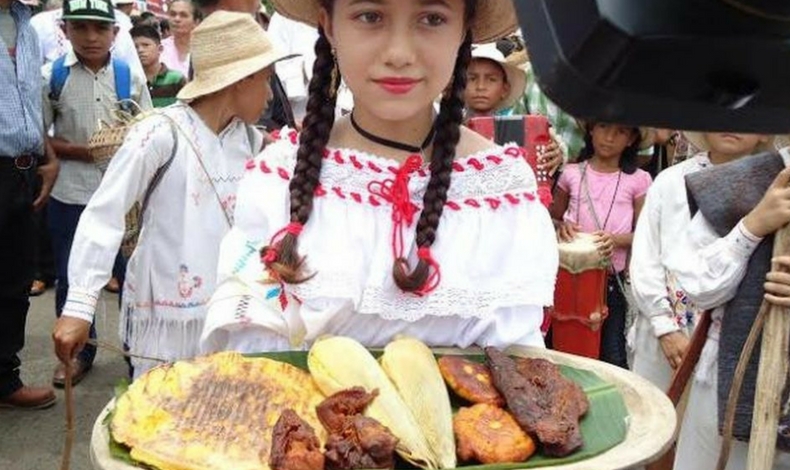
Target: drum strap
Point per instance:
(585, 188)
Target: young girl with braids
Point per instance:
(392, 220)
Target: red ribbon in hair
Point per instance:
(396, 192)
(270, 256)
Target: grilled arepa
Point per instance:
(215, 412)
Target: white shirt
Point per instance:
(54, 42)
(171, 275)
(710, 268)
(664, 216)
(293, 37)
(495, 244)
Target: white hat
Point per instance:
(123, 2)
(516, 76)
(226, 48)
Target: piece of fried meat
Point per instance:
(469, 380)
(295, 445)
(490, 435)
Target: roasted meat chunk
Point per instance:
(355, 441)
(469, 380)
(490, 435)
(362, 443)
(335, 410)
(542, 403)
(295, 445)
(567, 395)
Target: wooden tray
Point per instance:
(650, 432)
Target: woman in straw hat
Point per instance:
(184, 163)
(392, 220)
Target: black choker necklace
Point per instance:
(391, 143)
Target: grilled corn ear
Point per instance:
(337, 363)
(412, 367)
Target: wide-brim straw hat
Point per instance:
(516, 76)
(698, 140)
(226, 48)
(494, 18)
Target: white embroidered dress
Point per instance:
(171, 275)
(495, 245)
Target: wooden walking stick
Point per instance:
(771, 375)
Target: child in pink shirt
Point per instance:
(603, 194)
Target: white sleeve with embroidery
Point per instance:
(102, 224)
(648, 275)
(709, 268)
(246, 297)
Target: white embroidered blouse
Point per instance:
(496, 247)
(171, 275)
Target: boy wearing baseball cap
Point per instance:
(81, 88)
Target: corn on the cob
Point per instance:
(338, 363)
(412, 367)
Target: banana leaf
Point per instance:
(603, 427)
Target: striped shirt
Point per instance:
(21, 130)
(166, 86)
(86, 99)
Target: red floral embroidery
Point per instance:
(452, 206)
(512, 199)
(250, 165)
(355, 162)
(320, 191)
(265, 168)
(493, 202)
(472, 203)
(356, 197)
(283, 174)
(475, 163)
(339, 192)
(494, 159)
(530, 196)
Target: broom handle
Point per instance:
(684, 371)
(771, 376)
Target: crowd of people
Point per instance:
(310, 173)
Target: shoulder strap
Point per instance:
(160, 172)
(60, 73)
(123, 79)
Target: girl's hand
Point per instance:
(773, 211)
(567, 232)
(777, 283)
(551, 158)
(605, 242)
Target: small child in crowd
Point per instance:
(603, 194)
(163, 83)
(492, 84)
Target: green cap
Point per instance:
(92, 10)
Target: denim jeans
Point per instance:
(63, 219)
(613, 345)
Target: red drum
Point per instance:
(580, 298)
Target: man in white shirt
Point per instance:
(666, 315)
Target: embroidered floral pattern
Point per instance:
(186, 284)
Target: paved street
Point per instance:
(34, 440)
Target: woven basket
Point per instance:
(106, 141)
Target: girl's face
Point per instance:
(486, 86)
(610, 140)
(252, 95)
(182, 19)
(396, 56)
(730, 144)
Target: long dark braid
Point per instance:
(319, 119)
(448, 134)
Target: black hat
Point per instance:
(91, 10)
